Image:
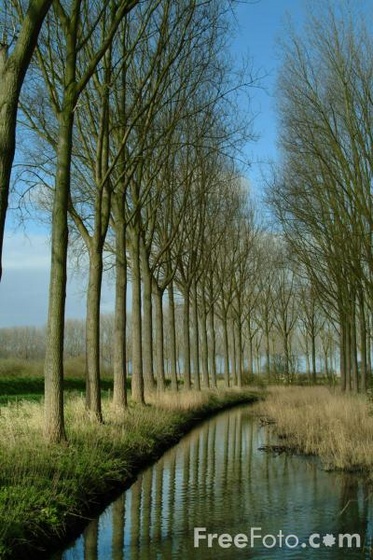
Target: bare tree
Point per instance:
(18, 38)
(66, 77)
(311, 322)
(165, 72)
(323, 197)
(286, 315)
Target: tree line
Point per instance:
(132, 127)
(307, 349)
(322, 191)
(128, 119)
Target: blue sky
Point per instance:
(261, 24)
(24, 287)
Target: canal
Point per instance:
(217, 496)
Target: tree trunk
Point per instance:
(287, 355)
(120, 318)
(234, 354)
(313, 356)
(369, 347)
(137, 383)
(195, 346)
(363, 342)
(326, 362)
(251, 349)
(268, 350)
(239, 352)
(307, 357)
(354, 364)
(93, 390)
(53, 365)
(342, 354)
(212, 348)
(159, 340)
(226, 350)
(147, 327)
(8, 119)
(348, 354)
(13, 68)
(172, 334)
(204, 344)
(186, 341)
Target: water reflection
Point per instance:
(216, 478)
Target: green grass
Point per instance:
(10, 386)
(45, 489)
(23, 380)
(32, 388)
(16, 367)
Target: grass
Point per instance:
(32, 388)
(21, 368)
(46, 490)
(321, 421)
(16, 367)
(22, 380)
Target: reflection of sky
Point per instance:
(217, 478)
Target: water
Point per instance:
(217, 479)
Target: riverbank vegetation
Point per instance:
(47, 490)
(133, 156)
(322, 421)
(132, 153)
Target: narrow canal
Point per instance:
(216, 496)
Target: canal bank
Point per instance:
(49, 493)
(216, 496)
(323, 421)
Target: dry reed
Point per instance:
(322, 421)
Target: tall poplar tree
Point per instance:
(16, 49)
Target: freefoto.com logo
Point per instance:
(255, 538)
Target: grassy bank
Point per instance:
(46, 491)
(324, 422)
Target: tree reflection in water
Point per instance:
(217, 478)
